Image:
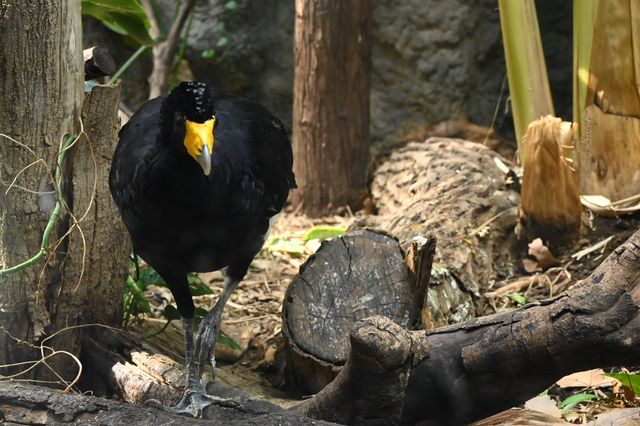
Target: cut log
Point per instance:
(98, 62)
(348, 279)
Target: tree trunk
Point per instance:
(41, 86)
(81, 276)
(331, 102)
(97, 259)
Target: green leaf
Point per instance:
(126, 17)
(285, 245)
(208, 53)
(149, 276)
(171, 313)
(141, 302)
(632, 381)
(231, 5)
(573, 400)
(219, 26)
(519, 298)
(223, 339)
(222, 41)
(200, 312)
(197, 287)
(324, 232)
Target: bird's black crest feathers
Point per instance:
(194, 99)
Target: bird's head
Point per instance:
(193, 103)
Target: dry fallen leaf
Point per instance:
(618, 417)
(544, 404)
(587, 379)
(531, 265)
(542, 254)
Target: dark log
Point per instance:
(31, 405)
(98, 62)
(370, 388)
(348, 279)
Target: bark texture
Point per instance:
(41, 68)
(331, 102)
(97, 259)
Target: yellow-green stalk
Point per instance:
(584, 16)
(526, 69)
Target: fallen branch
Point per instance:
(486, 365)
(32, 405)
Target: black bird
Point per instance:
(197, 176)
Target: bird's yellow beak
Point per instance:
(198, 140)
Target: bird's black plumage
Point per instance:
(181, 220)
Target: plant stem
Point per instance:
(54, 214)
(526, 69)
(584, 16)
(126, 65)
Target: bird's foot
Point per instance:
(194, 400)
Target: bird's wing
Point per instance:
(136, 147)
(254, 145)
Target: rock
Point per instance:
(257, 59)
(432, 60)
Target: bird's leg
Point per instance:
(210, 328)
(195, 398)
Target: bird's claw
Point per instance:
(195, 400)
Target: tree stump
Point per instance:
(348, 279)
